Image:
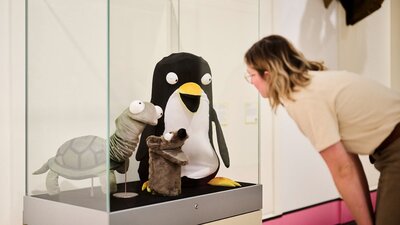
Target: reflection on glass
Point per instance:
(67, 100)
(77, 159)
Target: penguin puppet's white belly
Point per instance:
(202, 159)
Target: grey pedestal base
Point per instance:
(199, 209)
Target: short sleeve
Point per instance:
(316, 120)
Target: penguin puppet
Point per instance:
(182, 88)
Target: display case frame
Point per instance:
(51, 60)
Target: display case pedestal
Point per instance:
(195, 206)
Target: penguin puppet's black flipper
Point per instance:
(223, 149)
(142, 154)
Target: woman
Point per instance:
(343, 116)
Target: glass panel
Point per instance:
(221, 32)
(70, 95)
(142, 33)
(67, 100)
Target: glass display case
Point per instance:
(90, 61)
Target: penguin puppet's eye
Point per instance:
(206, 79)
(136, 107)
(172, 78)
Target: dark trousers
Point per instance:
(387, 162)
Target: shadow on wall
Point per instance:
(324, 34)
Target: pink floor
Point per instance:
(330, 213)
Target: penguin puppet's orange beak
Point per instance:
(190, 94)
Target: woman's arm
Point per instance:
(350, 180)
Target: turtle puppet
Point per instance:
(85, 157)
(182, 87)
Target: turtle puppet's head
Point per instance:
(145, 112)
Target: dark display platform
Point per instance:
(144, 198)
(82, 197)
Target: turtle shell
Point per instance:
(80, 158)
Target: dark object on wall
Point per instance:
(357, 10)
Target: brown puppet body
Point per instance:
(165, 160)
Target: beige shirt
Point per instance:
(343, 106)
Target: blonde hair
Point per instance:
(286, 66)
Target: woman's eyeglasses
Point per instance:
(248, 77)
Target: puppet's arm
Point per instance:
(223, 149)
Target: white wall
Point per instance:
(395, 44)
(5, 112)
(367, 48)
(12, 110)
(302, 177)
